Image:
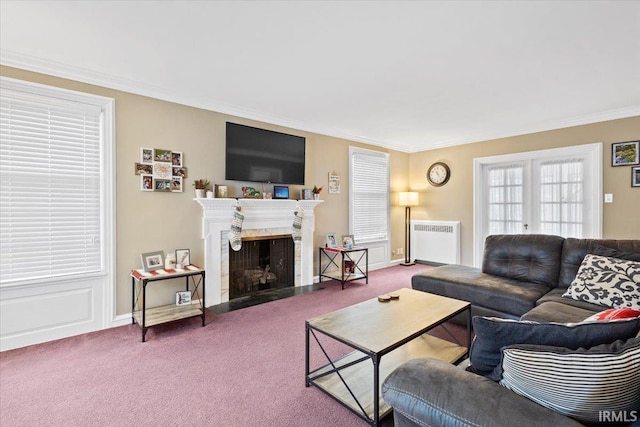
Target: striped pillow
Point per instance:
(582, 383)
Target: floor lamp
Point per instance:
(407, 199)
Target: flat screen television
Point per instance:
(260, 155)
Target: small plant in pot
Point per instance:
(201, 186)
(316, 192)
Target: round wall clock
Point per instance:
(438, 174)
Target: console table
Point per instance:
(353, 264)
(148, 317)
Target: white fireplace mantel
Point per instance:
(262, 217)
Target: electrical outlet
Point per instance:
(393, 252)
(400, 251)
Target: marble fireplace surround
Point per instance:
(263, 217)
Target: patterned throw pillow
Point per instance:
(578, 383)
(610, 282)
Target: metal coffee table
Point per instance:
(396, 330)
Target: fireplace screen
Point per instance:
(261, 264)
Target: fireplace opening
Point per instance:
(262, 263)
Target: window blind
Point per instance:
(50, 181)
(369, 195)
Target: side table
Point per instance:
(148, 317)
(352, 264)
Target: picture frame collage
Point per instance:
(161, 170)
(627, 154)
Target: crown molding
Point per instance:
(85, 75)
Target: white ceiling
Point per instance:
(409, 75)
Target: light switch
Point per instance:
(608, 198)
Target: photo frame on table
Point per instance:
(152, 261)
(635, 176)
(183, 298)
(347, 241)
(625, 153)
(331, 241)
(183, 257)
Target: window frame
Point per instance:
(107, 178)
(353, 151)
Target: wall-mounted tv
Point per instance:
(260, 155)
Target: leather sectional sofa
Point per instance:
(522, 277)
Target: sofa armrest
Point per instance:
(430, 392)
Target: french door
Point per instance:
(543, 192)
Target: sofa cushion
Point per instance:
(574, 250)
(578, 383)
(492, 334)
(524, 257)
(556, 312)
(555, 295)
(470, 284)
(610, 282)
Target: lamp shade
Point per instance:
(408, 198)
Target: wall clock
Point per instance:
(438, 174)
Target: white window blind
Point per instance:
(50, 181)
(506, 188)
(369, 196)
(562, 197)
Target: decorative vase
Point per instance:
(200, 193)
(316, 197)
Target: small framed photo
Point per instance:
(152, 261)
(183, 257)
(162, 185)
(160, 155)
(146, 155)
(146, 182)
(305, 194)
(179, 171)
(143, 169)
(347, 241)
(176, 158)
(183, 298)
(635, 177)
(176, 184)
(331, 241)
(625, 153)
(221, 191)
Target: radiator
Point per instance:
(435, 241)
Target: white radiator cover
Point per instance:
(435, 241)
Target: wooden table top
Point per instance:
(373, 326)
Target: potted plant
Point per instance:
(201, 186)
(316, 192)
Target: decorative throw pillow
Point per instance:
(578, 383)
(610, 282)
(613, 314)
(492, 334)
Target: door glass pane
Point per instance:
(561, 197)
(505, 204)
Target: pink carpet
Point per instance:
(244, 368)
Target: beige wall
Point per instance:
(148, 221)
(454, 201)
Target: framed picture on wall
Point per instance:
(625, 153)
(635, 177)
